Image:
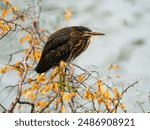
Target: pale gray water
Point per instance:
(126, 43)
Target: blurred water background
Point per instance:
(126, 24)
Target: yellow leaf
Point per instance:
(40, 104)
(99, 82)
(99, 100)
(37, 54)
(116, 93)
(22, 40)
(62, 108)
(29, 80)
(62, 64)
(58, 101)
(29, 38)
(72, 94)
(24, 92)
(68, 96)
(93, 95)
(5, 28)
(67, 14)
(4, 69)
(32, 96)
(1, 23)
(14, 8)
(35, 86)
(80, 77)
(101, 88)
(87, 94)
(46, 89)
(17, 64)
(9, 10)
(62, 94)
(55, 87)
(7, 1)
(107, 95)
(54, 73)
(4, 12)
(28, 94)
(40, 77)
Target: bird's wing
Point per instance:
(56, 40)
(53, 57)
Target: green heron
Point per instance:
(65, 44)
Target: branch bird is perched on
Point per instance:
(65, 44)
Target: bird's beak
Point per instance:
(94, 33)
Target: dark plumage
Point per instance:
(65, 44)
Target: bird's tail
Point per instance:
(42, 67)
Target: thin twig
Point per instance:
(28, 103)
(16, 100)
(49, 102)
(3, 108)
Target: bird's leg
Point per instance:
(66, 70)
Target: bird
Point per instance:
(64, 45)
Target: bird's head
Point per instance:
(87, 32)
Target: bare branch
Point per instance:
(16, 100)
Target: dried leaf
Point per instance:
(4, 69)
(37, 55)
(55, 72)
(40, 77)
(122, 107)
(46, 89)
(62, 108)
(101, 88)
(15, 8)
(32, 96)
(7, 1)
(80, 77)
(27, 94)
(68, 96)
(19, 107)
(107, 95)
(35, 86)
(22, 18)
(62, 64)
(58, 101)
(55, 87)
(22, 40)
(29, 80)
(67, 14)
(116, 93)
(4, 12)
(1, 23)
(87, 94)
(40, 104)
(29, 38)
(99, 100)
(113, 67)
